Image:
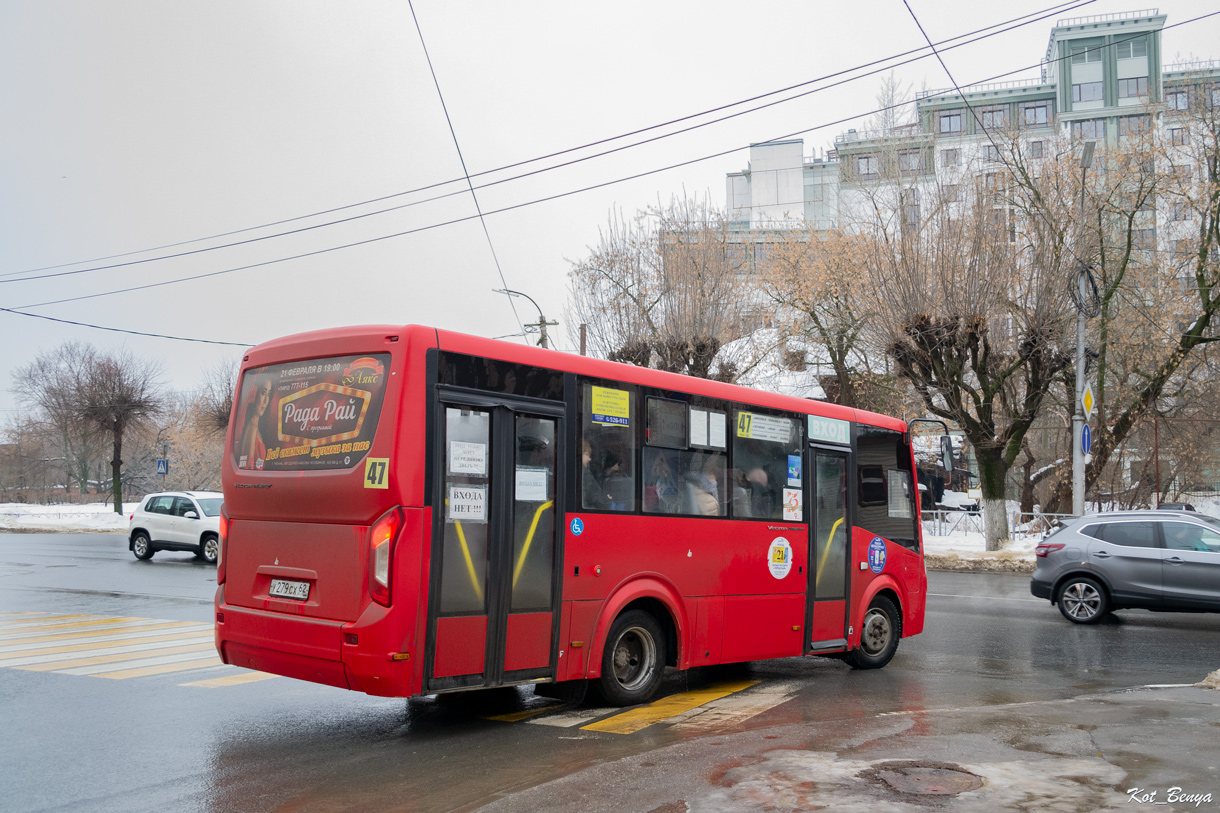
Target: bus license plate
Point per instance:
(283, 588)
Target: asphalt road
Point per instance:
(209, 738)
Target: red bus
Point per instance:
(413, 511)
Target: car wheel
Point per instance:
(208, 549)
(1082, 600)
(141, 546)
(879, 636)
(634, 659)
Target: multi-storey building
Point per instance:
(1102, 80)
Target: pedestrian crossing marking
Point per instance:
(161, 669)
(9, 644)
(122, 656)
(112, 647)
(230, 680)
(635, 719)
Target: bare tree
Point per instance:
(118, 392)
(48, 387)
(213, 399)
(663, 290)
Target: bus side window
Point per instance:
(607, 471)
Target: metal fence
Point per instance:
(1021, 526)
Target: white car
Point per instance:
(177, 520)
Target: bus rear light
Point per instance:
(382, 538)
(1046, 548)
(223, 543)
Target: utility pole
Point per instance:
(1082, 282)
(541, 324)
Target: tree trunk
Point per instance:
(116, 468)
(992, 473)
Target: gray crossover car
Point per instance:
(1154, 560)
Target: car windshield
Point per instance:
(211, 505)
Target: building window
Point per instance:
(865, 165)
(910, 210)
(1035, 149)
(1084, 53)
(1003, 225)
(1179, 209)
(994, 117)
(1134, 88)
(949, 123)
(950, 158)
(1132, 48)
(1182, 172)
(1133, 125)
(1177, 99)
(1215, 97)
(1143, 239)
(1089, 129)
(952, 193)
(909, 161)
(1087, 92)
(1037, 114)
(991, 153)
(1179, 136)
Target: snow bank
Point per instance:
(89, 518)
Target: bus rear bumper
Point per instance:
(316, 650)
(302, 648)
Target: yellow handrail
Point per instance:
(825, 553)
(528, 539)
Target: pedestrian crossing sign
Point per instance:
(162, 466)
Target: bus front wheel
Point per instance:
(879, 636)
(634, 659)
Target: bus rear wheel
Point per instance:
(879, 636)
(634, 659)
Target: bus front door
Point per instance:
(829, 532)
(493, 606)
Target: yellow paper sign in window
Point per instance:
(610, 407)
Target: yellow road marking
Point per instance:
(122, 656)
(518, 716)
(162, 669)
(67, 636)
(632, 721)
(231, 680)
(55, 650)
(74, 625)
(22, 618)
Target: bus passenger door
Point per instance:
(829, 535)
(493, 606)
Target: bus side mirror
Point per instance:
(946, 453)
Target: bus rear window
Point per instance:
(307, 415)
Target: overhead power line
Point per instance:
(122, 330)
(461, 158)
(556, 196)
(888, 63)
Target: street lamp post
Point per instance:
(1082, 272)
(542, 323)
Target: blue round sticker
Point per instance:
(876, 554)
(578, 527)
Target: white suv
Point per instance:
(177, 520)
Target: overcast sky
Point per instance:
(133, 125)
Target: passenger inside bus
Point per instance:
(593, 493)
(661, 488)
(702, 491)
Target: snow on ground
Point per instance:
(92, 517)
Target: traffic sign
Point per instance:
(1086, 439)
(162, 466)
(1087, 401)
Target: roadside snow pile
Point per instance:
(91, 518)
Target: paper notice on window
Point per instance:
(899, 496)
(718, 430)
(698, 427)
(467, 504)
(793, 507)
(467, 458)
(610, 407)
(531, 484)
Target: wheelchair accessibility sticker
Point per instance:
(876, 554)
(577, 526)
